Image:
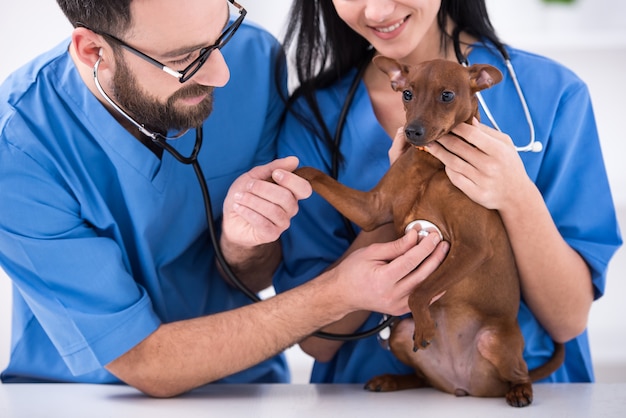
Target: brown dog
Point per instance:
(468, 342)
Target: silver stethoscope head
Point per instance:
(423, 228)
(533, 145)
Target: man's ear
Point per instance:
(89, 46)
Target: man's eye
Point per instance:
(182, 61)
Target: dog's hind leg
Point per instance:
(505, 351)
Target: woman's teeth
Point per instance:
(391, 28)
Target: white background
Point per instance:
(589, 37)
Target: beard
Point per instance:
(157, 116)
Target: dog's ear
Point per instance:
(483, 76)
(396, 72)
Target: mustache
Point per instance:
(194, 90)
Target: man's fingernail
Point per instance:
(278, 175)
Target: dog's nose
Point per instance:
(414, 133)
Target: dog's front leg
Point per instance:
(363, 208)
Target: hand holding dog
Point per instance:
(398, 146)
(486, 167)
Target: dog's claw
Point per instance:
(520, 395)
(368, 387)
(415, 349)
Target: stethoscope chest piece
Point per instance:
(423, 228)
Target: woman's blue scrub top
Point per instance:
(569, 172)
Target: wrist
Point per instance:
(331, 298)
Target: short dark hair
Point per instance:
(110, 16)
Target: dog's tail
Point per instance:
(551, 365)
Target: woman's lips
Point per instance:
(389, 31)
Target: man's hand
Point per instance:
(257, 210)
(260, 203)
(381, 277)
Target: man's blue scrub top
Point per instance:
(104, 241)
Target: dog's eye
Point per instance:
(407, 95)
(447, 96)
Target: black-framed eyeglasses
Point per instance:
(203, 56)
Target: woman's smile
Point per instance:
(390, 31)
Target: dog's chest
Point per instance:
(425, 193)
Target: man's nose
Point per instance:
(214, 72)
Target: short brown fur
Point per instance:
(468, 342)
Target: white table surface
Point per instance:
(283, 400)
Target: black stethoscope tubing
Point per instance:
(192, 160)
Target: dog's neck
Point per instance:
(426, 160)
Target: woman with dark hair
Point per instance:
(343, 116)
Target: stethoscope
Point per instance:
(192, 159)
(533, 145)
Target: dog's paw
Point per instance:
(392, 382)
(520, 395)
(423, 336)
(384, 383)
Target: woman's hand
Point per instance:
(485, 166)
(398, 146)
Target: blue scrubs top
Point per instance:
(104, 241)
(569, 172)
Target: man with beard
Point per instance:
(104, 233)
